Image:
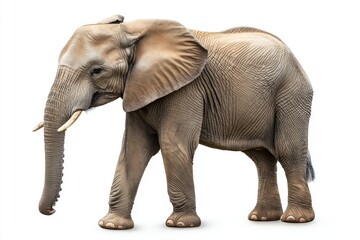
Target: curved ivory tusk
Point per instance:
(70, 121)
(39, 126)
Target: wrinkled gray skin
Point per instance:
(241, 89)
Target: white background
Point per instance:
(324, 35)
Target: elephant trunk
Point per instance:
(56, 114)
(54, 152)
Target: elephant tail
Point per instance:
(310, 173)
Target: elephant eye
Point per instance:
(95, 71)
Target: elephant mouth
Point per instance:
(98, 99)
(101, 98)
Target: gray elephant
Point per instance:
(241, 89)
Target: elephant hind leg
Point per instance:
(291, 146)
(268, 206)
(299, 207)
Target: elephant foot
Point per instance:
(116, 222)
(183, 219)
(296, 214)
(260, 213)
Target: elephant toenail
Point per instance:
(253, 217)
(263, 218)
(110, 225)
(290, 218)
(120, 227)
(170, 222)
(180, 224)
(101, 223)
(302, 220)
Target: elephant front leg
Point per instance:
(140, 144)
(121, 200)
(179, 172)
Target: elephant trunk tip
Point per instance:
(47, 211)
(46, 207)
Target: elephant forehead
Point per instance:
(76, 54)
(90, 43)
(81, 53)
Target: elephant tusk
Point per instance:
(39, 126)
(70, 121)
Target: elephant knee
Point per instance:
(176, 148)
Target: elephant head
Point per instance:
(139, 61)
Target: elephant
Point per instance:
(240, 90)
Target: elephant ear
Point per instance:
(112, 20)
(167, 57)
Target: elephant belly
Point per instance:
(236, 144)
(239, 130)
